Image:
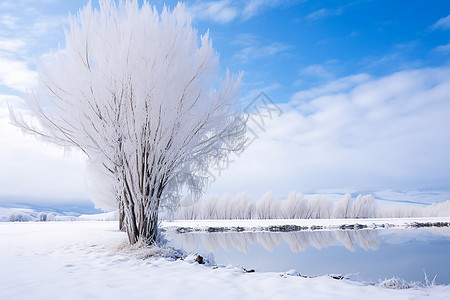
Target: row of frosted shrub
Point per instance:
(441, 209)
(296, 206)
(25, 217)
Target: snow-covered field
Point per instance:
(90, 260)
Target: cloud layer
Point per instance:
(32, 169)
(355, 133)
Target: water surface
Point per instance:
(366, 255)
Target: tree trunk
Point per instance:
(141, 220)
(121, 216)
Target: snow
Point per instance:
(108, 216)
(88, 260)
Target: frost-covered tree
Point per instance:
(189, 209)
(294, 207)
(318, 207)
(138, 93)
(225, 207)
(210, 207)
(343, 208)
(42, 217)
(20, 217)
(268, 207)
(243, 206)
(364, 207)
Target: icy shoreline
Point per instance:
(301, 224)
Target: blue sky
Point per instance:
(362, 90)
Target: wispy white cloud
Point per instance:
(316, 71)
(225, 11)
(253, 93)
(222, 11)
(255, 7)
(16, 74)
(398, 59)
(44, 25)
(324, 72)
(12, 45)
(442, 23)
(245, 40)
(257, 52)
(30, 21)
(9, 21)
(443, 48)
(11, 4)
(323, 13)
(340, 85)
(320, 71)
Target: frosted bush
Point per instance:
(20, 217)
(243, 207)
(343, 209)
(268, 207)
(209, 207)
(42, 217)
(397, 284)
(364, 207)
(437, 210)
(294, 207)
(226, 207)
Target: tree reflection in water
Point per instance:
(297, 240)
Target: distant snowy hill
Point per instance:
(26, 210)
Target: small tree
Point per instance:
(343, 208)
(364, 206)
(138, 93)
(268, 207)
(210, 207)
(295, 206)
(244, 206)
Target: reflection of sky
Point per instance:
(400, 253)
